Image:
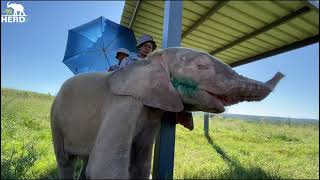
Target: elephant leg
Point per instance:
(140, 162)
(111, 163)
(66, 167)
(65, 160)
(141, 154)
(110, 156)
(83, 168)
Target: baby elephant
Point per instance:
(110, 120)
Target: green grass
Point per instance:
(234, 149)
(26, 148)
(238, 149)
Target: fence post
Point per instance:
(206, 123)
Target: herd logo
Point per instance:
(14, 13)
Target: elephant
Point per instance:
(110, 119)
(16, 8)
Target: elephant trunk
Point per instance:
(252, 90)
(274, 81)
(8, 4)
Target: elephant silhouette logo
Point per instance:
(17, 8)
(13, 13)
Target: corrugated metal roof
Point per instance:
(237, 32)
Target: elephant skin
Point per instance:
(110, 120)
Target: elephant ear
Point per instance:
(149, 81)
(185, 119)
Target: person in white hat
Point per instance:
(121, 54)
(145, 46)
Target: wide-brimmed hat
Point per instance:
(146, 38)
(122, 50)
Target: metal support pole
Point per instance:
(206, 123)
(164, 146)
(163, 160)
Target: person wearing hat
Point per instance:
(145, 46)
(121, 54)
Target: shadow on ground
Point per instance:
(52, 174)
(236, 170)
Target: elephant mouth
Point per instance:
(225, 101)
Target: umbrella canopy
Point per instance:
(92, 46)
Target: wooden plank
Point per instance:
(279, 50)
(204, 17)
(264, 29)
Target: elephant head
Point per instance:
(181, 79)
(12, 5)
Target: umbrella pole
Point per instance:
(104, 52)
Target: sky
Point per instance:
(32, 53)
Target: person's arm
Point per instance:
(125, 62)
(111, 68)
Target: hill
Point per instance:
(270, 118)
(234, 149)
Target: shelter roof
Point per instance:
(236, 32)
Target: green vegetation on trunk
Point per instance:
(234, 149)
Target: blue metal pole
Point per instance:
(164, 147)
(172, 22)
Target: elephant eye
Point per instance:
(201, 66)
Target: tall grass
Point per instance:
(26, 148)
(234, 149)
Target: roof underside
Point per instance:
(236, 32)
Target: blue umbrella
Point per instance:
(92, 46)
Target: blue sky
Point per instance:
(32, 53)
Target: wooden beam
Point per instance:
(136, 9)
(207, 15)
(295, 45)
(275, 23)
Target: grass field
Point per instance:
(234, 149)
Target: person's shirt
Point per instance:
(129, 60)
(114, 67)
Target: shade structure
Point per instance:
(92, 46)
(236, 32)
